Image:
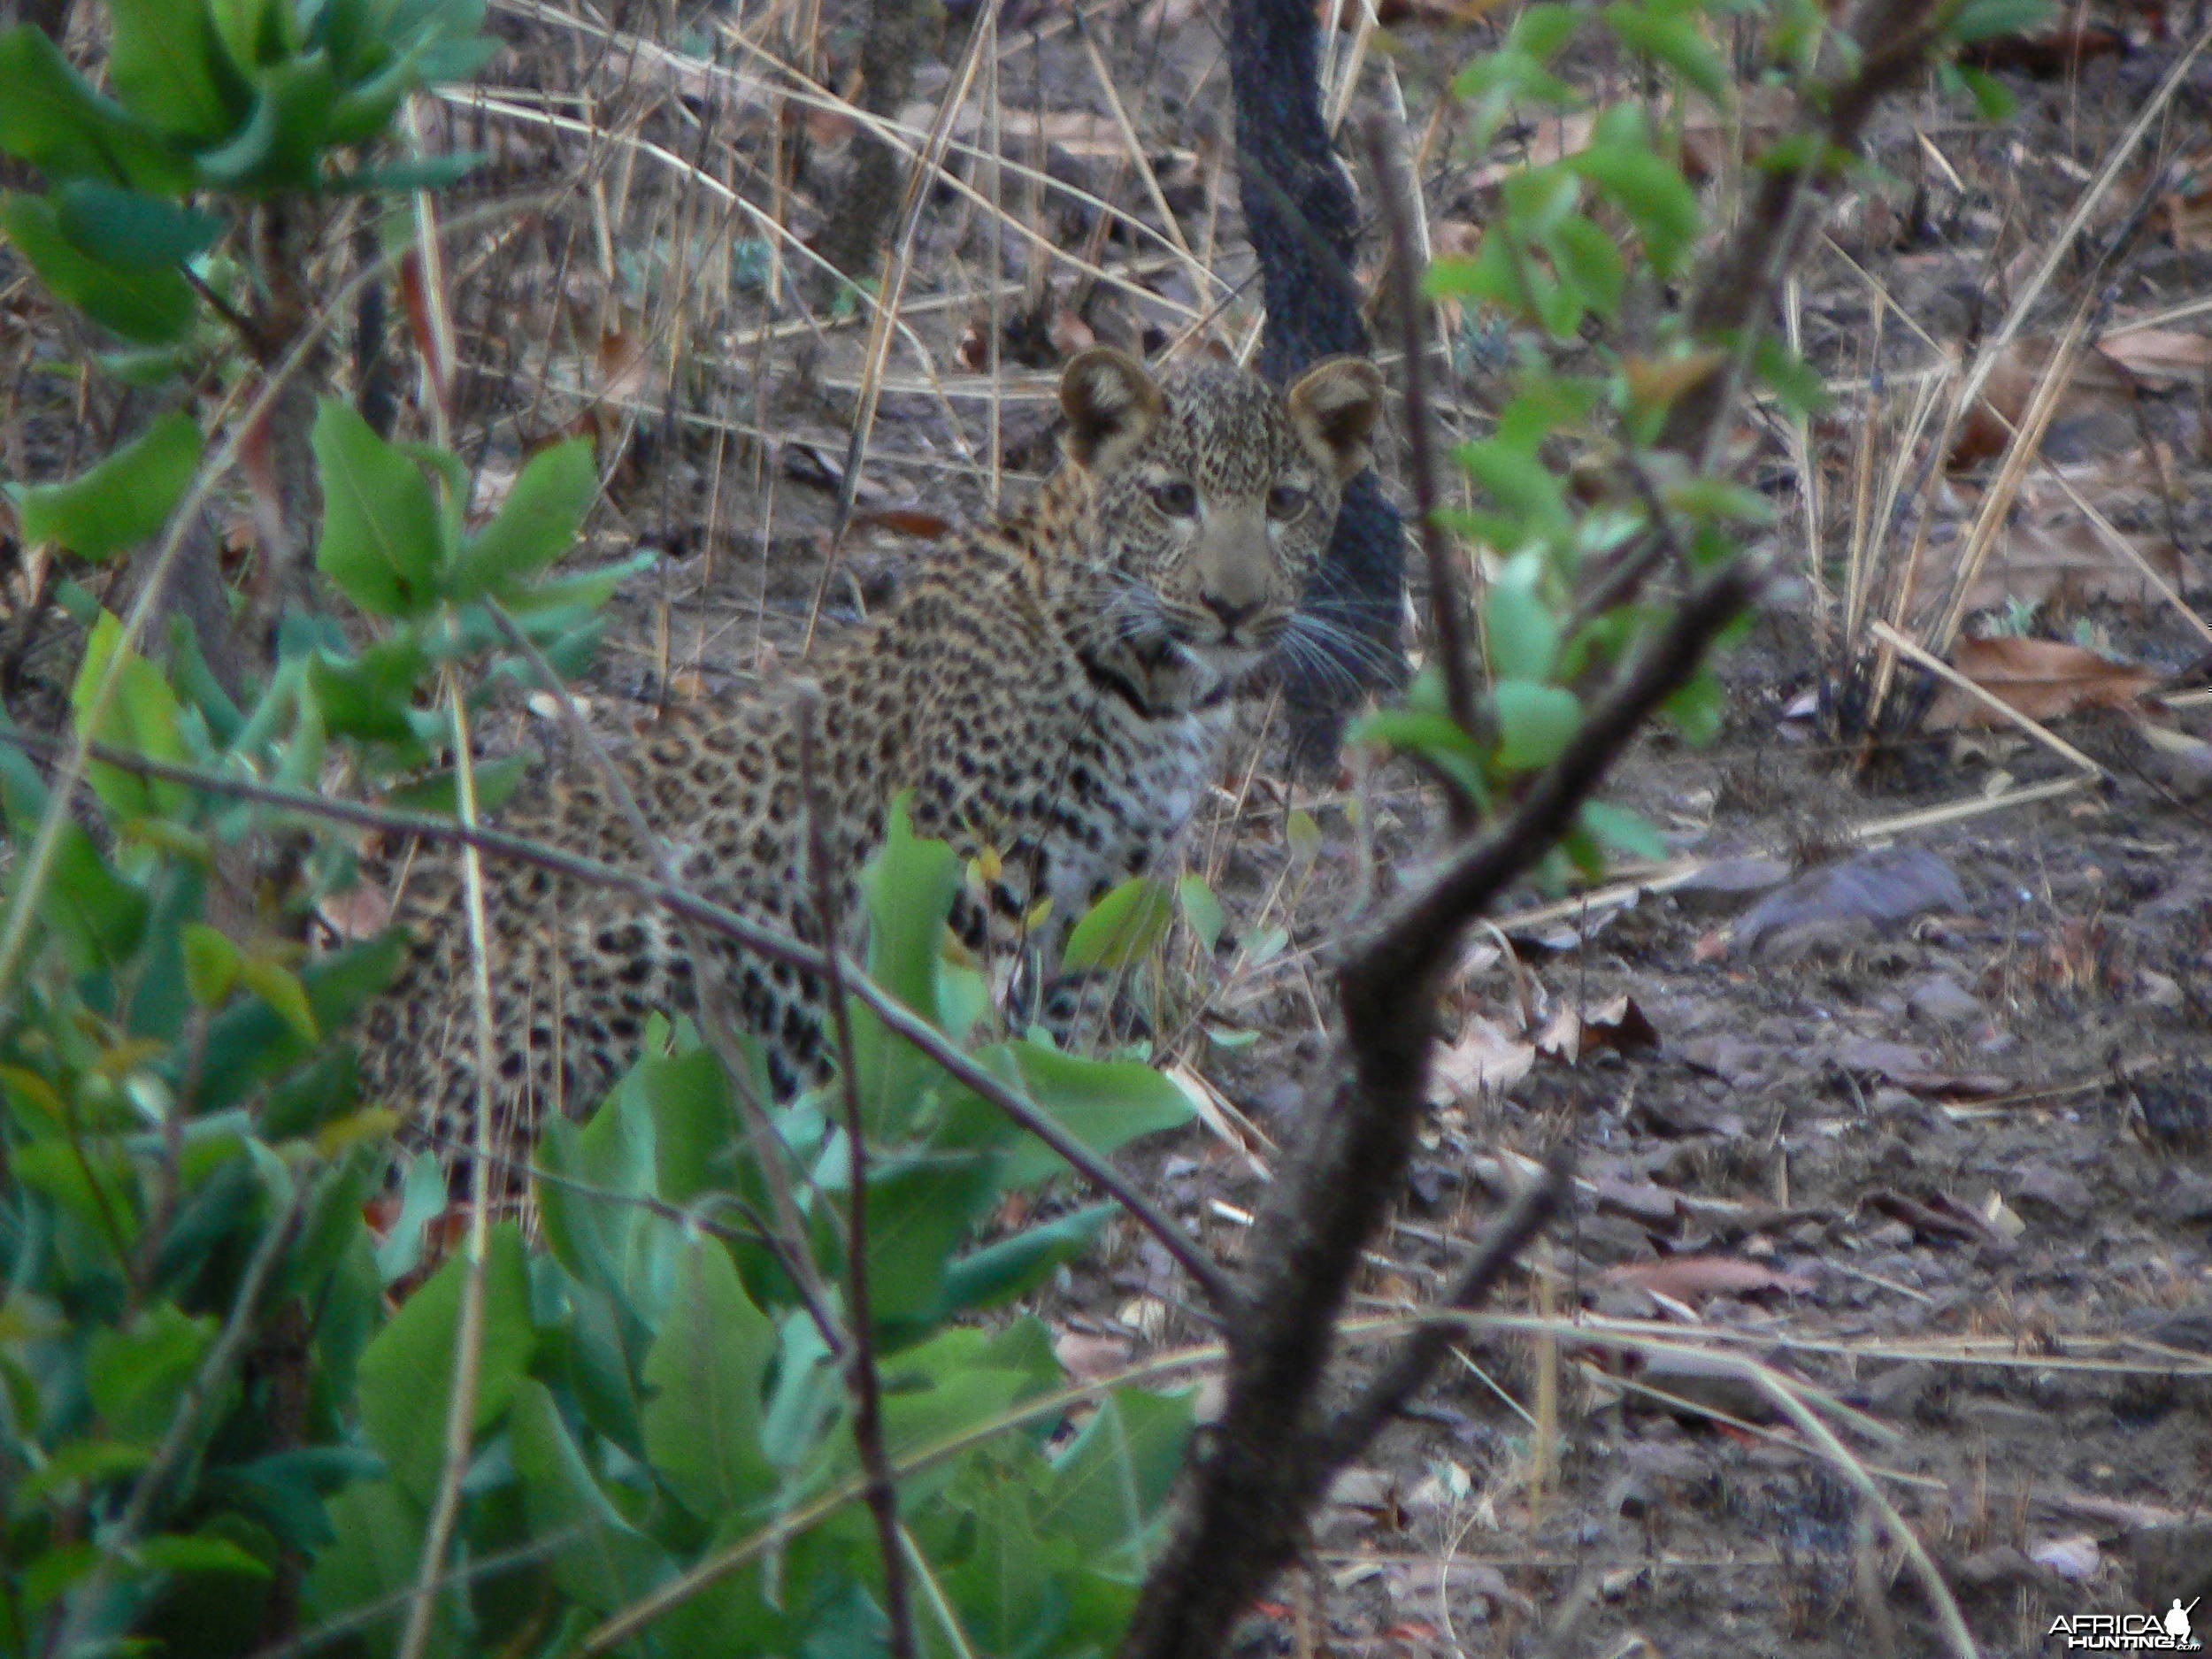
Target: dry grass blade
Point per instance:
(468, 1341)
(1987, 699)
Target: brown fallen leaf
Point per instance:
(1838, 903)
(2044, 679)
(2159, 354)
(2035, 560)
(1486, 1058)
(904, 521)
(1941, 1218)
(1616, 1024)
(2093, 382)
(1692, 1279)
(2048, 54)
(1087, 1356)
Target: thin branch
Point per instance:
(861, 1377)
(1385, 1396)
(468, 1341)
(138, 1513)
(764, 940)
(787, 1241)
(1447, 603)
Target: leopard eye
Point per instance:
(1286, 503)
(1177, 498)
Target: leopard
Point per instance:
(1050, 694)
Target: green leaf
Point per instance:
(1698, 709)
(1795, 382)
(137, 1374)
(1992, 99)
(1015, 1265)
(131, 229)
(1535, 722)
(98, 916)
(606, 1563)
(585, 590)
(1521, 631)
(170, 69)
(1656, 198)
(1987, 20)
(254, 33)
(179, 1552)
(496, 781)
(52, 118)
(211, 964)
(86, 1462)
(280, 988)
(1517, 479)
(370, 694)
(141, 718)
(694, 1131)
(1202, 911)
(1623, 831)
(1103, 1104)
(1112, 1483)
(280, 146)
(1672, 37)
(1121, 929)
(910, 885)
(535, 526)
(920, 1211)
(707, 1368)
(121, 502)
(407, 1369)
(373, 1564)
(381, 536)
(1541, 30)
(153, 307)
(1432, 734)
(1585, 254)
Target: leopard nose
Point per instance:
(1233, 612)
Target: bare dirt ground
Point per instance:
(1935, 1148)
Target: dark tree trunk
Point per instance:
(1303, 223)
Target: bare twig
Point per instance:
(1416, 1361)
(861, 1378)
(1447, 603)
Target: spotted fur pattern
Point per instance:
(1052, 690)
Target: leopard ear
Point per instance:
(1110, 403)
(1335, 407)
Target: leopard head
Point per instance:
(1211, 498)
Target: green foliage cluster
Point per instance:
(212, 1426)
(1580, 268)
(225, 1355)
(249, 99)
